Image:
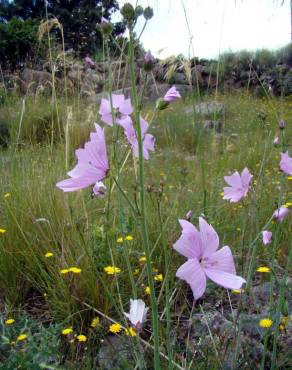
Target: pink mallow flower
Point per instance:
(239, 185)
(138, 313)
(122, 108)
(281, 213)
(286, 163)
(131, 135)
(172, 95)
(204, 259)
(267, 237)
(89, 62)
(92, 165)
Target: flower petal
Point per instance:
(194, 275)
(225, 279)
(209, 237)
(189, 244)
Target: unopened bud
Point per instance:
(128, 12)
(276, 141)
(148, 13)
(105, 26)
(282, 124)
(138, 11)
(161, 104)
(189, 215)
(148, 61)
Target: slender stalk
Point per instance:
(154, 309)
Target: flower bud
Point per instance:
(189, 215)
(161, 104)
(128, 12)
(148, 61)
(105, 26)
(138, 11)
(148, 13)
(276, 141)
(282, 124)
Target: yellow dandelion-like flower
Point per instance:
(130, 332)
(7, 195)
(75, 270)
(263, 269)
(288, 204)
(142, 259)
(266, 323)
(67, 331)
(9, 321)
(115, 328)
(237, 291)
(290, 178)
(136, 271)
(112, 270)
(158, 277)
(120, 239)
(94, 322)
(147, 290)
(129, 238)
(49, 254)
(222, 193)
(21, 337)
(81, 338)
(2, 231)
(64, 271)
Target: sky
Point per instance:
(215, 26)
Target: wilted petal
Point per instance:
(99, 189)
(138, 312)
(267, 237)
(281, 213)
(194, 275)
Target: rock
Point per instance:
(208, 124)
(208, 108)
(116, 353)
(32, 79)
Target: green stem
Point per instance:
(154, 309)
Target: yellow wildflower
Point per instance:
(263, 269)
(131, 332)
(147, 290)
(120, 239)
(64, 271)
(81, 338)
(288, 204)
(129, 238)
(142, 259)
(136, 271)
(2, 231)
(290, 178)
(94, 322)
(237, 291)
(266, 323)
(7, 195)
(49, 254)
(158, 277)
(67, 331)
(115, 328)
(75, 270)
(21, 337)
(222, 193)
(9, 321)
(112, 270)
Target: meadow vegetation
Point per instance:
(54, 247)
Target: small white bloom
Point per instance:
(138, 312)
(99, 189)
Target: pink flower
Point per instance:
(281, 213)
(239, 185)
(89, 62)
(122, 109)
(99, 189)
(204, 260)
(92, 164)
(267, 237)
(130, 132)
(286, 163)
(148, 58)
(171, 95)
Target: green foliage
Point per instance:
(39, 350)
(18, 40)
